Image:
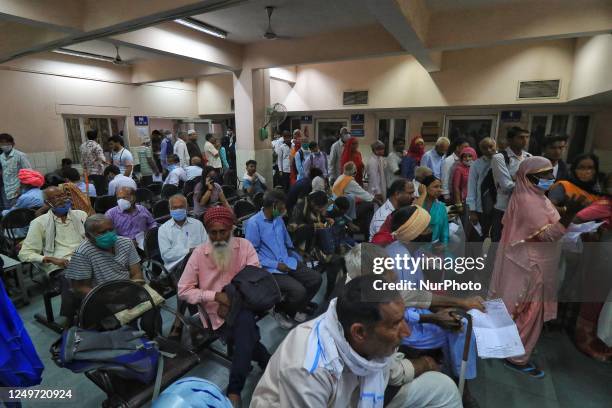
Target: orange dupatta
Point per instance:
(340, 185)
(573, 191)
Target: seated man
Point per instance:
(31, 196)
(298, 283)
(252, 181)
(400, 194)
(195, 169)
(301, 188)
(80, 200)
(102, 257)
(131, 220)
(212, 266)
(180, 234)
(346, 358)
(176, 173)
(117, 180)
(51, 240)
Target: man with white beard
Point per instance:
(212, 266)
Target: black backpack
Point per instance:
(488, 190)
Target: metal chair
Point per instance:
(168, 190)
(230, 193)
(12, 228)
(144, 195)
(190, 185)
(160, 209)
(155, 188)
(105, 203)
(153, 265)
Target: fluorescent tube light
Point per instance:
(200, 26)
(84, 54)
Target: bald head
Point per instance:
(124, 192)
(51, 192)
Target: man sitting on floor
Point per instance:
(212, 266)
(298, 283)
(117, 180)
(102, 257)
(180, 234)
(130, 219)
(346, 358)
(51, 240)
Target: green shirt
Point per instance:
(145, 152)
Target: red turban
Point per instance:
(31, 177)
(222, 215)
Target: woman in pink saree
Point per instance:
(527, 263)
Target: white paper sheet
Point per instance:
(139, 238)
(495, 332)
(571, 241)
(157, 178)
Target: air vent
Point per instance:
(539, 89)
(355, 98)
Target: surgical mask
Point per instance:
(179, 214)
(276, 213)
(106, 240)
(468, 162)
(545, 184)
(168, 137)
(124, 204)
(171, 167)
(62, 210)
(6, 148)
(305, 146)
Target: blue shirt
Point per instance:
(11, 164)
(165, 150)
(478, 171)
(271, 241)
(258, 187)
(92, 188)
(32, 198)
(434, 161)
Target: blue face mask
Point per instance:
(179, 214)
(545, 184)
(62, 210)
(172, 167)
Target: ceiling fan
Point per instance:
(270, 34)
(117, 60)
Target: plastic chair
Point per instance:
(105, 203)
(160, 209)
(243, 208)
(190, 185)
(230, 192)
(10, 227)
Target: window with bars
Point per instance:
(77, 128)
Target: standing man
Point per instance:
(166, 148)
(192, 145)
(120, 156)
(94, 162)
(553, 147)
(449, 162)
(479, 171)
(12, 161)
(213, 156)
(335, 166)
(317, 159)
(434, 158)
(180, 149)
(394, 159)
(147, 164)
(283, 154)
(377, 181)
(504, 166)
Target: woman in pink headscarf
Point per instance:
(527, 262)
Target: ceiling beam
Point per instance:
(108, 18)
(169, 69)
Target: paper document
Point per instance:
(571, 241)
(495, 332)
(139, 238)
(157, 178)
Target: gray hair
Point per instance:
(442, 140)
(177, 197)
(349, 168)
(422, 171)
(123, 188)
(92, 222)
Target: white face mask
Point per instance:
(124, 204)
(468, 162)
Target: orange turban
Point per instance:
(31, 178)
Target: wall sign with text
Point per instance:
(141, 120)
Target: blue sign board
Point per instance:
(357, 132)
(306, 119)
(357, 118)
(141, 120)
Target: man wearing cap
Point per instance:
(335, 168)
(212, 266)
(192, 145)
(31, 196)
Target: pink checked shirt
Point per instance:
(201, 279)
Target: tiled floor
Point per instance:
(573, 380)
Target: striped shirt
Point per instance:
(91, 262)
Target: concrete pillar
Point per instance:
(251, 97)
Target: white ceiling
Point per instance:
(247, 22)
(449, 5)
(106, 48)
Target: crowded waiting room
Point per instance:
(306, 203)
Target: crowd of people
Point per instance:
(322, 221)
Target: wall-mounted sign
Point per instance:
(306, 119)
(141, 120)
(357, 118)
(511, 116)
(357, 132)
